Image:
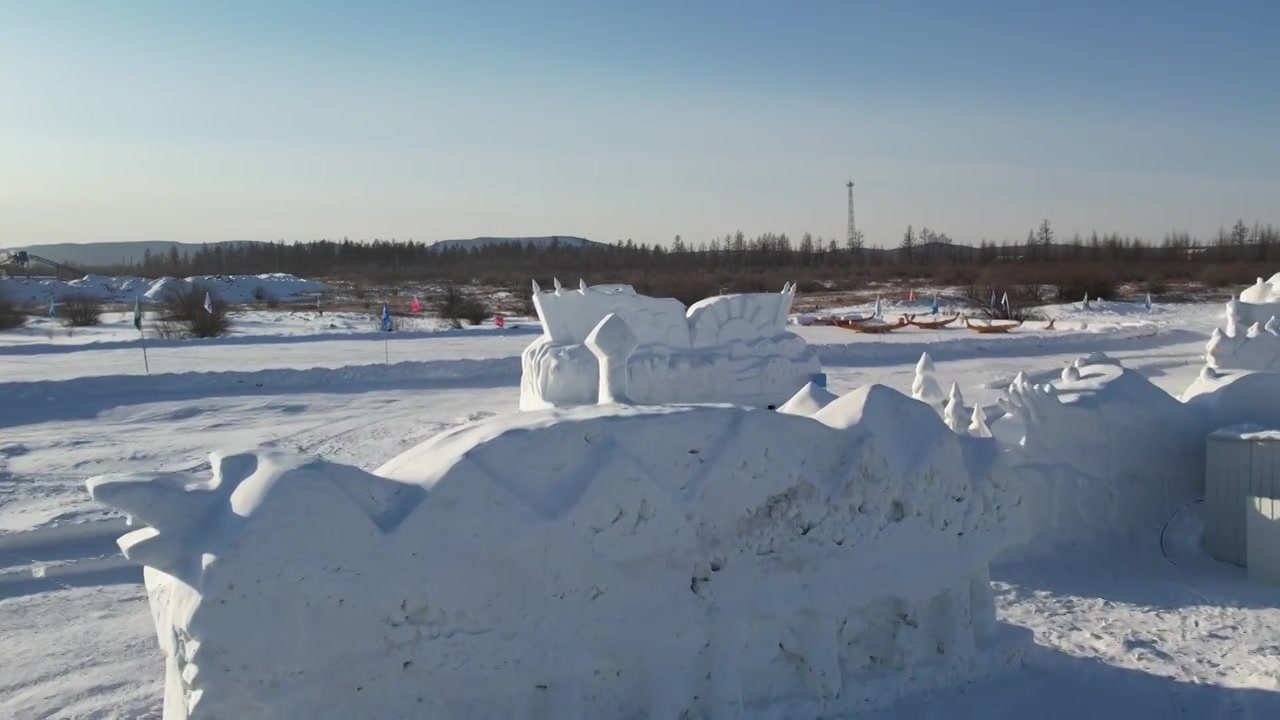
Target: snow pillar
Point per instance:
(612, 342)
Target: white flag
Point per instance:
(208, 304)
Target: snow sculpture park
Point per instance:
(647, 537)
(729, 348)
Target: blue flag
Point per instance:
(876, 312)
(1004, 300)
(386, 317)
(1147, 304)
(53, 310)
(933, 309)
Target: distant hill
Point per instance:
(563, 241)
(111, 253)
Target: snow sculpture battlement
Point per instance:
(1257, 303)
(1255, 347)
(635, 562)
(1104, 450)
(729, 348)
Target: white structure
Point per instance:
(1241, 511)
(725, 349)
(635, 562)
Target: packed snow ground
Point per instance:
(1120, 630)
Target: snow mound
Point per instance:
(695, 561)
(1104, 451)
(125, 289)
(808, 401)
(725, 349)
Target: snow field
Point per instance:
(1115, 630)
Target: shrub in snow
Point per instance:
(925, 387)
(453, 305)
(183, 312)
(1104, 450)
(10, 316)
(79, 310)
(729, 348)
(596, 562)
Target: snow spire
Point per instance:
(954, 413)
(925, 387)
(1208, 373)
(1070, 374)
(954, 394)
(1271, 326)
(1233, 316)
(978, 423)
(536, 287)
(1085, 304)
(555, 282)
(1253, 331)
(582, 286)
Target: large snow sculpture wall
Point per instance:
(599, 562)
(730, 348)
(1104, 451)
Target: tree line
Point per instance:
(738, 263)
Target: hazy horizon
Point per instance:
(233, 121)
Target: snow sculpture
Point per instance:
(1259, 302)
(730, 348)
(637, 562)
(925, 387)
(978, 423)
(954, 413)
(612, 342)
(1257, 348)
(1104, 450)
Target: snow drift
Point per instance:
(607, 561)
(730, 348)
(124, 289)
(1103, 451)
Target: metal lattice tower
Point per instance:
(853, 228)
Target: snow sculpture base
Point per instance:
(707, 562)
(726, 349)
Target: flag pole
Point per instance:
(146, 364)
(142, 337)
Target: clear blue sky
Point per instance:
(230, 119)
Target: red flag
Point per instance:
(417, 306)
(911, 296)
(499, 321)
